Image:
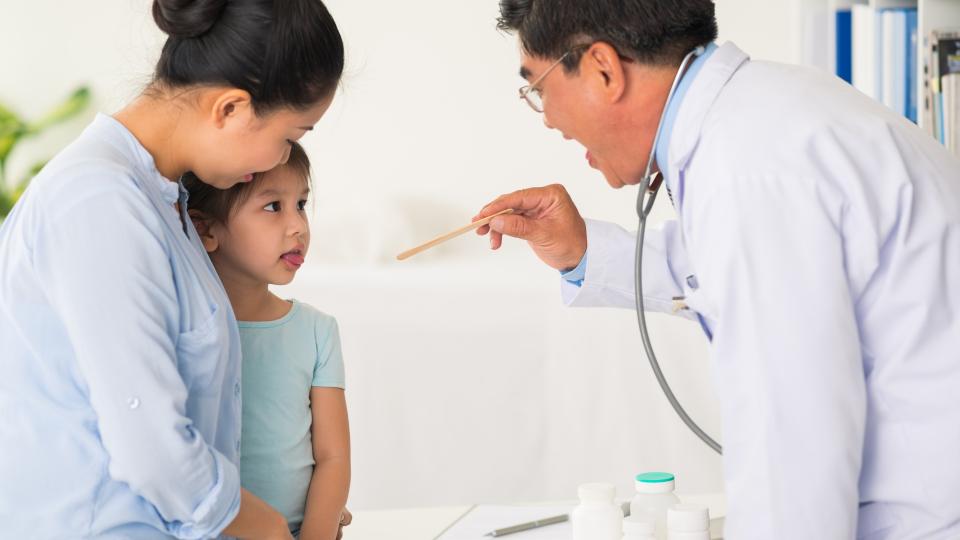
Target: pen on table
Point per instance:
(543, 523)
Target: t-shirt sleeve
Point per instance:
(328, 370)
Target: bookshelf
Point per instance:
(931, 15)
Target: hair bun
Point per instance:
(187, 18)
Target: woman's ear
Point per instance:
(229, 104)
(204, 225)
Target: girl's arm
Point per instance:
(331, 474)
(257, 519)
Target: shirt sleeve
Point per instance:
(609, 278)
(328, 370)
(575, 276)
(787, 358)
(107, 275)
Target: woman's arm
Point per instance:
(331, 474)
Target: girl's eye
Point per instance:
(272, 207)
(301, 205)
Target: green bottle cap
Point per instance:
(655, 477)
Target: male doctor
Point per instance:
(817, 242)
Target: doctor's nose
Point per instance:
(547, 123)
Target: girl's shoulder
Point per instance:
(323, 323)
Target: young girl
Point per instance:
(120, 387)
(295, 446)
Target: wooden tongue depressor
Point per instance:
(452, 234)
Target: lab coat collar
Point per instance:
(714, 75)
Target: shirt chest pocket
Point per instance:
(199, 352)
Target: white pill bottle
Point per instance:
(639, 527)
(654, 497)
(597, 517)
(688, 522)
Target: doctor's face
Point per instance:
(609, 105)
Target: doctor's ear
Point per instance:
(602, 61)
(205, 225)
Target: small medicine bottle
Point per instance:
(639, 527)
(688, 522)
(654, 496)
(597, 517)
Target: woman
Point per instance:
(120, 394)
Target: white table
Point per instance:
(429, 523)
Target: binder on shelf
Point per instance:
(942, 84)
(884, 49)
(844, 58)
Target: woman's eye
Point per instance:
(272, 207)
(302, 205)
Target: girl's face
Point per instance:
(266, 237)
(235, 143)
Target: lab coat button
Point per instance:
(133, 402)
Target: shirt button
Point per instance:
(238, 447)
(236, 390)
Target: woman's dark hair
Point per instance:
(218, 204)
(284, 53)
(653, 32)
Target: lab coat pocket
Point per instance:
(198, 353)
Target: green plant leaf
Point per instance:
(74, 104)
(11, 129)
(6, 204)
(31, 172)
(9, 122)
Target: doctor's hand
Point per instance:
(546, 218)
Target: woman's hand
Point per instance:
(546, 218)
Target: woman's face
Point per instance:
(234, 148)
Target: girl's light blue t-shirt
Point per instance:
(282, 361)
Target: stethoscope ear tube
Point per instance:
(646, 196)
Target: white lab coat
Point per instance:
(823, 231)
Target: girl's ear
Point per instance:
(204, 226)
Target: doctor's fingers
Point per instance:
(522, 227)
(531, 201)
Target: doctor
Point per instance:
(817, 242)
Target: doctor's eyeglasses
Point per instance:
(532, 94)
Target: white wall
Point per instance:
(427, 128)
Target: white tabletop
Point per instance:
(429, 523)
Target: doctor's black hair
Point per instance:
(652, 32)
(212, 204)
(284, 53)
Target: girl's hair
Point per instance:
(284, 53)
(217, 205)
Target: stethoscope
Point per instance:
(649, 187)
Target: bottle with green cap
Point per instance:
(654, 497)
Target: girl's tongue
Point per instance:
(293, 258)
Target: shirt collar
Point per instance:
(144, 162)
(666, 130)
